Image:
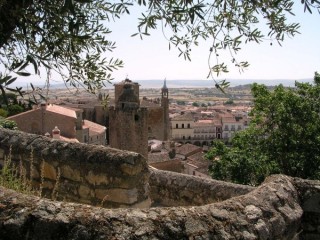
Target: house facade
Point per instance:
(43, 119)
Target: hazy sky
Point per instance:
(298, 58)
(148, 59)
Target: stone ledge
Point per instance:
(175, 189)
(271, 211)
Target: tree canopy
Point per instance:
(71, 36)
(283, 137)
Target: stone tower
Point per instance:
(128, 123)
(165, 107)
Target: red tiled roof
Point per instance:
(94, 128)
(69, 139)
(186, 149)
(200, 162)
(188, 116)
(62, 110)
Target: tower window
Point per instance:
(177, 125)
(182, 125)
(136, 117)
(188, 125)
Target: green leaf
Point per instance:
(25, 74)
(10, 81)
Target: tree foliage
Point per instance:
(226, 24)
(283, 137)
(4, 123)
(67, 37)
(71, 36)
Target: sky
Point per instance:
(148, 59)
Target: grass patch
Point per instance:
(14, 177)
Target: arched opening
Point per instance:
(197, 143)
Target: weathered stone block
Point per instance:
(96, 179)
(252, 212)
(49, 171)
(143, 204)
(35, 173)
(126, 196)
(48, 184)
(1, 154)
(130, 169)
(72, 174)
(84, 191)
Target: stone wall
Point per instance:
(174, 189)
(156, 129)
(174, 165)
(281, 208)
(128, 129)
(309, 195)
(78, 172)
(271, 211)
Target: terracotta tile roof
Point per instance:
(187, 149)
(62, 110)
(217, 122)
(162, 156)
(68, 139)
(229, 120)
(94, 128)
(69, 112)
(188, 116)
(200, 162)
(21, 114)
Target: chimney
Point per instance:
(43, 105)
(56, 133)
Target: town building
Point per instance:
(201, 130)
(128, 122)
(65, 123)
(158, 115)
(183, 127)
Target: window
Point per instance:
(188, 125)
(183, 137)
(177, 125)
(182, 125)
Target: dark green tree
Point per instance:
(3, 113)
(229, 101)
(195, 104)
(4, 123)
(14, 109)
(283, 137)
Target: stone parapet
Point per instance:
(271, 211)
(78, 172)
(175, 189)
